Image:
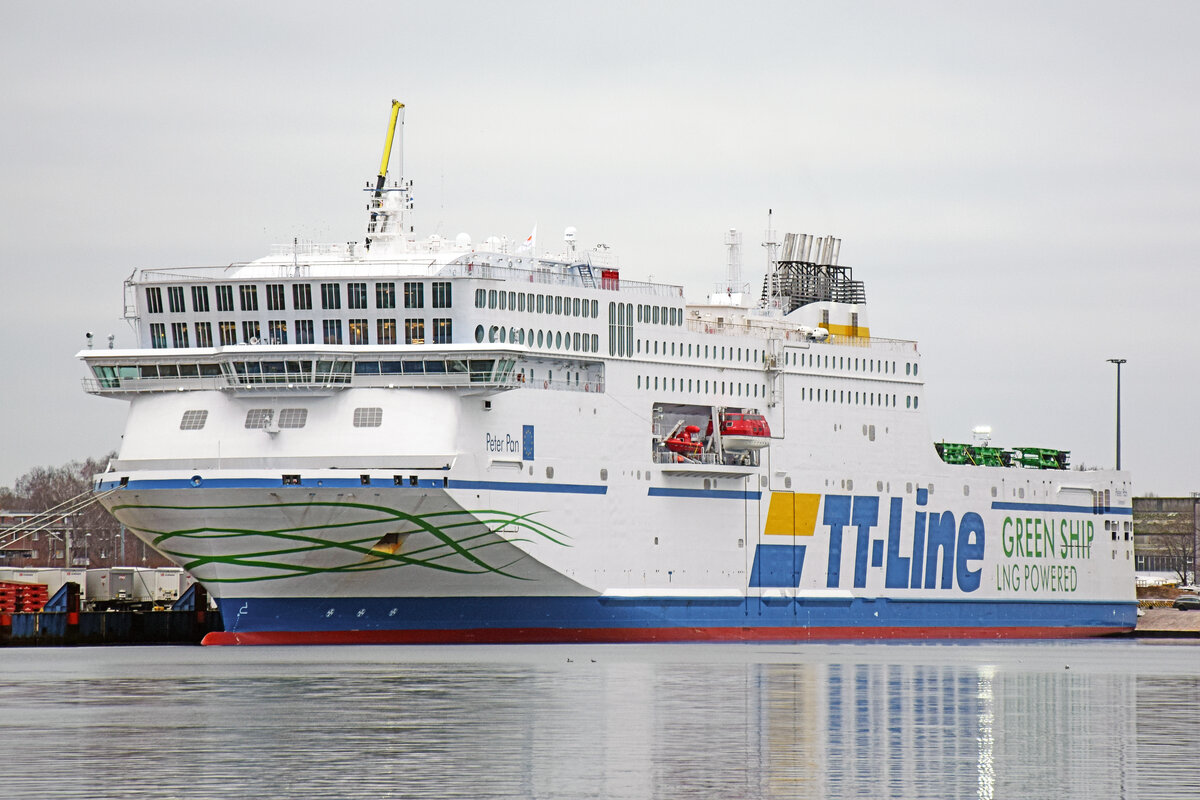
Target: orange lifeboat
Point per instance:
(684, 444)
(742, 431)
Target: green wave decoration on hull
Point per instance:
(361, 554)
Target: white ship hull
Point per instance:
(403, 440)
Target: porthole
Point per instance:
(371, 417)
(193, 420)
(549, 472)
(479, 333)
(293, 417)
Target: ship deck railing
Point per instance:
(552, 274)
(275, 384)
(556, 275)
(768, 330)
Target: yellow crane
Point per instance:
(387, 148)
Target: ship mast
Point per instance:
(387, 205)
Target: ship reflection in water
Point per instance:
(1075, 719)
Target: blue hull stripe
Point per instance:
(1060, 509)
(721, 494)
(200, 482)
(375, 613)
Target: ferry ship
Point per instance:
(417, 439)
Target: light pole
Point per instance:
(1118, 362)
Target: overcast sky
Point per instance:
(1017, 183)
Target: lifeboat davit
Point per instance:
(684, 444)
(740, 431)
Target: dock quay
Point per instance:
(60, 628)
(28, 618)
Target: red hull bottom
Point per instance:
(648, 635)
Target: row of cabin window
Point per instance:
(331, 296)
(536, 303)
(870, 365)
(718, 387)
(553, 340)
(656, 315)
(259, 418)
(752, 390)
(669, 348)
(846, 397)
(386, 332)
(844, 362)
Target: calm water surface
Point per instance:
(1106, 719)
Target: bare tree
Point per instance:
(1180, 550)
(95, 534)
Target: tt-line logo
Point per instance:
(957, 543)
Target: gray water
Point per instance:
(1099, 719)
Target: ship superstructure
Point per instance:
(422, 439)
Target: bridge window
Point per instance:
(203, 334)
(442, 331)
(224, 298)
(332, 330)
(385, 295)
(275, 297)
(414, 331)
(358, 331)
(385, 331)
(414, 295)
(302, 296)
(154, 300)
(249, 295)
(200, 299)
(175, 299)
(304, 331)
(331, 295)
